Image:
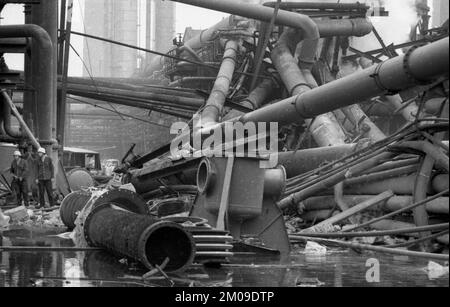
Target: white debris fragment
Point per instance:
(4, 220)
(30, 213)
(436, 271)
(315, 249)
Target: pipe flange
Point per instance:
(291, 93)
(296, 104)
(379, 83)
(232, 58)
(407, 66)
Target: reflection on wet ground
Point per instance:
(95, 268)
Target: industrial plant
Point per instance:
(145, 143)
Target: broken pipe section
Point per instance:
(140, 237)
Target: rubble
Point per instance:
(359, 140)
(436, 271)
(315, 249)
(17, 214)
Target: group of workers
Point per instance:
(45, 175)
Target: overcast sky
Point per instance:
(186, 16)
(391, 29)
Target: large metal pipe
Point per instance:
(214, 105)
(45, 15)
(319, 6)
(358, 26)
(438, 206)
(303, 161)
(256, 99)
(141, 237)
(419, 65)
(324, 128)
(45, 88)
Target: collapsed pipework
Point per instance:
(337, 156)
(311, 99)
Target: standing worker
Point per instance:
(46, 174)
(19, 184)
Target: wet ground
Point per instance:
(338, 268)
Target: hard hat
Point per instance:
(17, 153)
(42, 150)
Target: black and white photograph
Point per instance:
(224, 150)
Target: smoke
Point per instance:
(394, 29)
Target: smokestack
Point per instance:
(439, 12)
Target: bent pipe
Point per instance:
(44, 87)
(6, 121)
(140, 237)
(420, 65)
(76, 201)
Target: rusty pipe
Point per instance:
(409, 112)
(141, 237)
(319, 6)
(45, 90)
(257, 98)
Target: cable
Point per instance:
(160, 54)
(115, 111)
(92, 78)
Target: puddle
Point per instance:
(99, 269)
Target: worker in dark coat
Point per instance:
(19, 172)
(46, 174)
